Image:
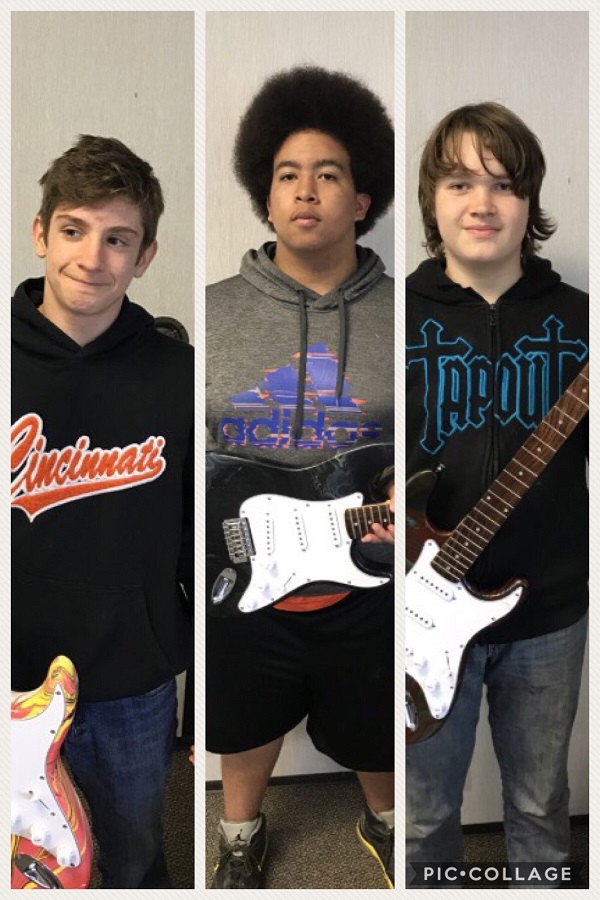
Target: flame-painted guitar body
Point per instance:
(51, 843)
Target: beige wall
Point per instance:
(536, 63)
(127, 75)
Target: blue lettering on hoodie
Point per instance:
(265, 413)
(459, 384)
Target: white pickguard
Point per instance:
(297, 542)
(34, 811)
(441, 617)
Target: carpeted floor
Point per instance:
(314, 843)
(312, 832)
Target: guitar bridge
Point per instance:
(238, 539)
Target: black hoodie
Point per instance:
(101, 499)
(480, 377)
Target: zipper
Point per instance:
(494, 457)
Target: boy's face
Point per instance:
(92, 253)
(480, 219)
(313, 204)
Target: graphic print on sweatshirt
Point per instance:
(459, 383)
(42, 480)
(265, 413)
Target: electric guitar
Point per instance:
(51, 843)
(443, 613)
(273, 529)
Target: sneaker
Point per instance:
(241, 863)
(379, 841)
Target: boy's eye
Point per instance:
(328, 176)
(71, 232)
(504, 187)
(117, 241)
(288, 176)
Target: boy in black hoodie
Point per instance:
(311, 318)
(102, 411)
(494, 338)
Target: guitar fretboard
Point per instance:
(360, 518)
(470, 538)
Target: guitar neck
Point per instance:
(470, 538)
(360, 518)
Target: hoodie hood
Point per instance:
(34, 333)
(259, 269)
(261, 272)
(430, 280)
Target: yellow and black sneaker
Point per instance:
(379, 841)
(241, 863)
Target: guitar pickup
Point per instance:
(238, 539)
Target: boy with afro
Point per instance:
(308, 324)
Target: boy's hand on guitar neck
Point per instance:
(380, 534)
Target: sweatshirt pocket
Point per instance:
(106, 632)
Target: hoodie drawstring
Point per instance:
(342, 353)
(301, 368)
(339, 383)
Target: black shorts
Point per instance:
(267, 670)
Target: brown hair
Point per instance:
(494, 128)
(98, 169)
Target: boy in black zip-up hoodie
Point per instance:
(101, 495)
(494, 338)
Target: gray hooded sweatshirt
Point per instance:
(293, 376)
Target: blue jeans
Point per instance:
(532, 693)
(119, 752)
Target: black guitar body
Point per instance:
(231, 480)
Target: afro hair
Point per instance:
(312, 98)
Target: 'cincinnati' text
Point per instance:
(44, 479)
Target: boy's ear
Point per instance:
(363, 202)
(39, 240)
(145, 259)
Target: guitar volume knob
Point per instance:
(67, 856)
(39, 834)
(16, 819)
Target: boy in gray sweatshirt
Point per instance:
(307, 374)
